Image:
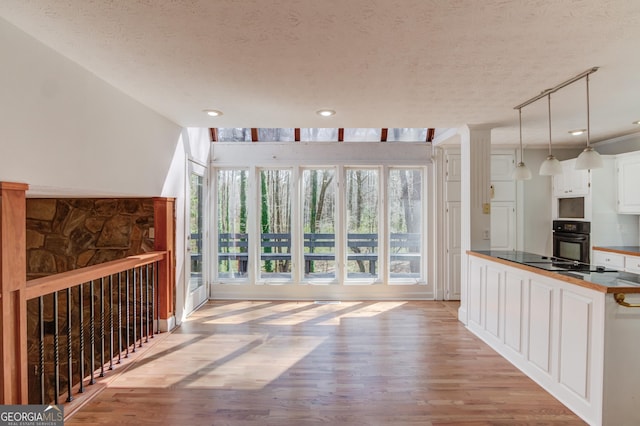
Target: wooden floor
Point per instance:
(354, 363)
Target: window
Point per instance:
(405, 223)
(233, 241)
(196, 228)
(319, 135)
(325, 221)
(234, 134)
(319, 207)
(362, 135)
(275, 224)
(402, 134)
(276, 135)
(362, 222)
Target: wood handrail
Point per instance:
(46, 285)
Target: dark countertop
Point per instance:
(607, 281)
(629, 250)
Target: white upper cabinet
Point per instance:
(572, 182)
(628, 168)
(502, 166)
(453, 167)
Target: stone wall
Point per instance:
(66, 234)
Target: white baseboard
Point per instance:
(167, 324)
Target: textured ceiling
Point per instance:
(378, 63)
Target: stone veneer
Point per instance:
(66, 234)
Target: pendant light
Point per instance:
(521, 171)
(551, 166)
(588, 159)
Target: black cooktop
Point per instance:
(549, 263)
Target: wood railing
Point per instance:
(152, 273)
(107, 311)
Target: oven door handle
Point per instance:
(566, 237)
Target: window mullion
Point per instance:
(253, 226)
(383, 226)
(340, 231)
(297, 234)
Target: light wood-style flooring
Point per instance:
(300, 363)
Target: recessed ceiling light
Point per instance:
(636, 122)
(577, 132)
(213, 112)
(326, 112)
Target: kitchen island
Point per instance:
(565, 325)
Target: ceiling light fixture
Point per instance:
(588, 159)
(521, 172)
(213, 112)
(577, 132)
(326, 112)
(551, 166)
(636, 122)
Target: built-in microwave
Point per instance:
(572, 208)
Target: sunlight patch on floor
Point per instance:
(216, 310)
(366, 311)
(168, 364)
(249, 361)
(256, 314)
(257, 368)
(315, 313)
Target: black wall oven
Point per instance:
(571, 240)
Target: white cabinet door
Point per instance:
(572, 182)
(513, 315)
(503, 225)
(558, 185)
(540, 322)
(453, 167)
(476, 292)
(493, 305)
(628, 178)
(632, 264)
(608, 260)
(502, 166)
(578, 180)
(575, 330)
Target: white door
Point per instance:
(454, 251)
(196, 233)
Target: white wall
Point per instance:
(536, 211)
(619, 145)
(66, 132)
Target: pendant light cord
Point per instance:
(549, 107)
(588, 118)
(520, 119)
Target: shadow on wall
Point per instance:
(66, 234)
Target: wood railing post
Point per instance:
(164, 225)
(13, 302)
